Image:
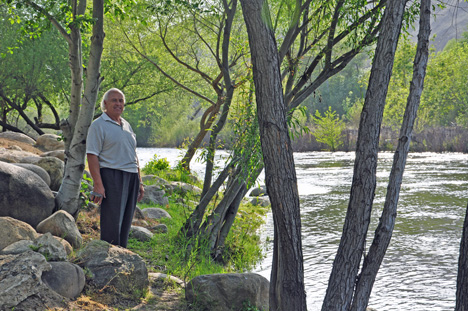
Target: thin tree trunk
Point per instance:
(350, 251)
(383, 233)
(287, 276)
(462, 278)
(68, 195)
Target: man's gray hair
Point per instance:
(106, 97)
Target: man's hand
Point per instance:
(141, 192)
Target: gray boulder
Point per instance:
(155, 195)
(226, 292)
(155, 213)
(160, 228)
(18, 247)
(182, 188)
(114, 268)
(258, 192)
(21, 287)
(60, 154)
(260, 201)
(25, 196)
(13, 230)
(62, 224)
(50, 247)
(154, 180)
(36, 169)
(49, 142)
(140, 233)
(18, 137)
(55, 167)
(65, 278)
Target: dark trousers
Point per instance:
(118, 206)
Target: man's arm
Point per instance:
(93, 164)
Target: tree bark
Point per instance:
(383, 233)
(68, 194)
(351, 249)
(462, 278)
(287, 276)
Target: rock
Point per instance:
(15, 147)
(21, 287)
(55, 168)
(226, 292)
(15, 183)
(49, 142)
(258, 192)
(62, 224)
(18, 247)
(154, 180)
(36, 169)
(155, 213)
(60, 154)
(67, 246)
(114, 268)
(140, 233)
(18, 137)
(51, 248)
(13, 230)
(161, 228)
(155, 195)
(65, 278)
(138, 214)
(182, 188)
(155, 276)
(262, 201)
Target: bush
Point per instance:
(155, 165)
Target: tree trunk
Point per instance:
(287, 276)
(383, 233)
(462, 278)
(68, 195)
(350, 251)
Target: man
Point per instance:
(113, 164)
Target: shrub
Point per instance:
(155, 165)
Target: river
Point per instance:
(420, 268)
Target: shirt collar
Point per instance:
(107, 118)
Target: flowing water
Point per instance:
(420, 268)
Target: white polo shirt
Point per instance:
(113, 144)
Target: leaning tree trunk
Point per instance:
(68, 195)
(287, 275)
(462, 278)
(383, 233)
(350, 251)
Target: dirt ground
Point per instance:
(162, 296)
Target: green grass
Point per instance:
(172, 254)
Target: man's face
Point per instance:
(114, 105)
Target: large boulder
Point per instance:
(60, 154)
(65, 278)
(226, 292)
(18, 137)
(25, 196)
(49, 142)
(114, 268)
(140, 234)
(15, 156)
(55, 167)
(155, 213)
(50, 247)
(21, 287)
(155, 195)
(182, 188)
(259, 191)
(13, 230)
(36, 169)
(62, 224)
